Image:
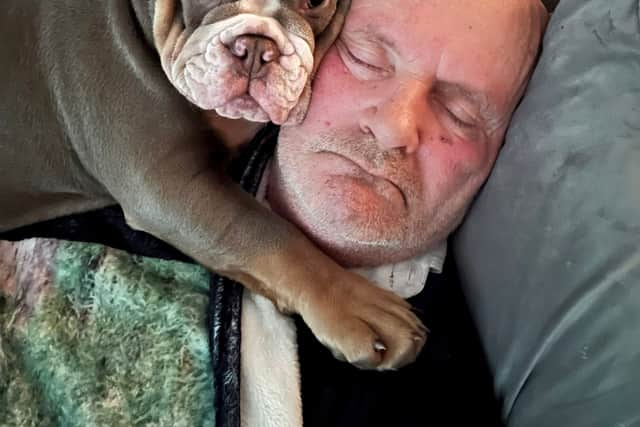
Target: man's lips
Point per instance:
(352, 167)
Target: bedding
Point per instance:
(549, 255)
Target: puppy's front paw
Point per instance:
(367, 326)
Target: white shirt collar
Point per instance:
(407, 278)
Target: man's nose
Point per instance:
(396, 121)
(255, 52)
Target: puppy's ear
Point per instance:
(330, 33)
(194, 10)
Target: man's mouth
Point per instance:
(355, 169)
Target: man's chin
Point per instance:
(359, 256)
(366, 202)
(354, 233)
(359, 250)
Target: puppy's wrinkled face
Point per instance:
(250, 59)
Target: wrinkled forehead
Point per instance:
(194, 10)
(244, 4)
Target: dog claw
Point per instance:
(379, 346)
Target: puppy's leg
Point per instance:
(198, 211)
(156, 163)
(204, 215)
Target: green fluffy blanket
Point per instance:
(103, 338)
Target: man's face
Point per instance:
(408, 112)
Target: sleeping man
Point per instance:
(409, 110)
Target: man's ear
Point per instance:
(194, 10)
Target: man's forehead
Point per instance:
(384, 37)
(373, 34)
(474, 59)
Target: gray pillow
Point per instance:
(549, 255)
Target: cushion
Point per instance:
(549, 254)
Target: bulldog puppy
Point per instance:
(246, 59)
(102, 104)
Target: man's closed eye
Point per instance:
(359, 65)
(464, 123)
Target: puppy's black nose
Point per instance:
(255, 52)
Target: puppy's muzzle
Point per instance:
(246, 66)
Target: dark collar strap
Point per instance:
(550, 4)
(225, 295)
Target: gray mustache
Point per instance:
(364, 149)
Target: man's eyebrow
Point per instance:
(372, 34)
(480, 100)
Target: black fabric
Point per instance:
(105, 226)
(448, 385)
(550, 4)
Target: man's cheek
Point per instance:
(332, 92)
(462, 157)
(446, 173)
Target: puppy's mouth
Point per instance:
(347, 166)
(213, 71)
